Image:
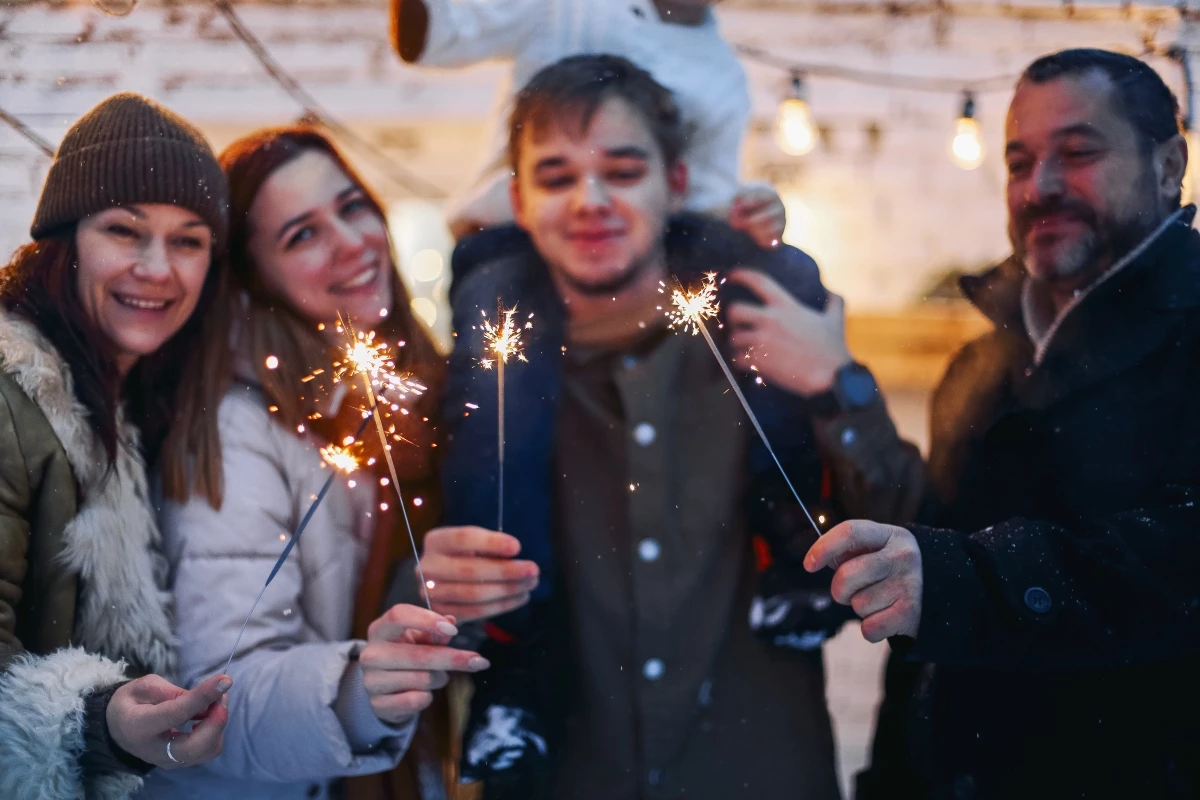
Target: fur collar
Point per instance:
(113, 543)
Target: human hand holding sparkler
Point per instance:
(475, 574)
(146, 713)
(878, 573)
(793, 346)
(406, 659)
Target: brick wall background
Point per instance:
(879, 203)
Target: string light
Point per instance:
(966, 145)
(795, 131)
(116, 8)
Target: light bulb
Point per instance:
(966, 146)
(116, 8)
(795, 132)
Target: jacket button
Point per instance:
(653, 669)
(649, 550)
(644, 434)
(848, 437)
(1038, 599)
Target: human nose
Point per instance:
(350, 240)
(154, 262)
(591, 194)
(1048, 180)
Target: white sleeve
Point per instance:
(464, 32)
(713, 157)
(282, 720)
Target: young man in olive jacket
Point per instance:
(1047, 629)
(634, 483)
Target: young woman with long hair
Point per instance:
(100, 320)
(308, 246)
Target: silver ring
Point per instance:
(169, 755)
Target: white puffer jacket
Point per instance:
(286, 736)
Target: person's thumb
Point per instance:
(187, 704)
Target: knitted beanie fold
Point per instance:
(130, 150)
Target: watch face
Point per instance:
(858, 387)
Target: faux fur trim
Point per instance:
(41, 726)
(113, 541)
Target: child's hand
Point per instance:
(759, 212)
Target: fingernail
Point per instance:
(478, 663)
(224, 684)
(446, 629)
(225, 701)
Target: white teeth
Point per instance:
(145, 305)
(361, 279)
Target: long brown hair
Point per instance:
(40, 285)
(265, 323)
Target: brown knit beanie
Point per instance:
(129, 150)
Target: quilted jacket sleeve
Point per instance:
(287, 671)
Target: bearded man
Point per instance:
(1047, 629)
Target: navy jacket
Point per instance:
(695, 245)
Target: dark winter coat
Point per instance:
(1058, 648)
(833, 470)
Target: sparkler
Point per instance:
(689, 309)
(340, 459)
(377, 369)
(503, 341)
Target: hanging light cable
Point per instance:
(795, 132)
(966, 145)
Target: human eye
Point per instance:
(300, 236)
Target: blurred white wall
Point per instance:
(878, 202)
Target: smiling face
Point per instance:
(596, 200)
(318, 242)
(139, 274)
(1083, 188)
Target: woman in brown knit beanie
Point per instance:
(99, 317)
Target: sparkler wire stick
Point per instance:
(754, 421)
(500, 439)
(387, 454)
(691, 309)
(372, 363)
(503, 341)
(308, 515)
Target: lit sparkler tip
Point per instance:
(689, 308)
(340, 458)
(503, 338)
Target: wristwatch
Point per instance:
(853, 389)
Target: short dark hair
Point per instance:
(579, 85)
(1138, 91)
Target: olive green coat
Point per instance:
(80, 574)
